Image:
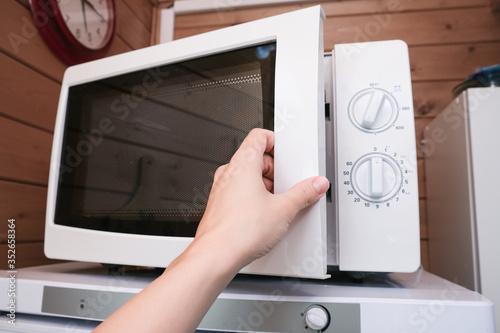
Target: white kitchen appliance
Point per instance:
(139, 136)
(75, 297)
(463, 189)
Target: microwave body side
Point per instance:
(298, 109)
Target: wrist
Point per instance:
(209, 258)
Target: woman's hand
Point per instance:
(243, 216)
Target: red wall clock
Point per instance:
(75, 30)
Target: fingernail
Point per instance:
(321, 184)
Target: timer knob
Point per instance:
(376, 177)
(373, 110)
(317, 318)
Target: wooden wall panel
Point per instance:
(30, 78)
(421, 179)
(23, 3)
(25, 153)
(452, 62)
(143, 11)
(130, 27)
(430, 97)
(20, 39)
(434, 27)
(220, 18)
(420, 124)
(119, 46)
(424, 253)
(448, 40)
(26, 204)
(27, 96)
(423, 218)
(495, 5)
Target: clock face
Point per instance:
(88, 21)
(75, 30)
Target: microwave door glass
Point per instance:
(141, 149)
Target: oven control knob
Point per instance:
(317, 317)
(376, 177)
(373, 110)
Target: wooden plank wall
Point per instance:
(30, 80)
(448, 40)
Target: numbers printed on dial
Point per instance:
(87, 20)
(373, 110)
(376, 180)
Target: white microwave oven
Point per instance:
(138, 137)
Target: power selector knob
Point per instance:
(376, 177)
(317, 318)
(373, 110)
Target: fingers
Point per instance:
(269, 184)
(254, 155)
(268, 166)
(256, 144)
(305, 193)
(220, 170)
(264, 139)
(268, 172)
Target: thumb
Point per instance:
(306, 192)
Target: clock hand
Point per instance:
(84, 15)
(93, 8)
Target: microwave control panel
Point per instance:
(373, 158)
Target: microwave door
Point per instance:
(139, 136)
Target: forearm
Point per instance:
(178, 300)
